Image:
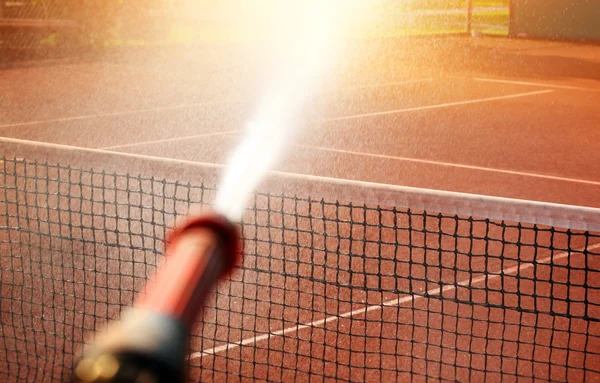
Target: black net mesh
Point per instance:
(327, 290)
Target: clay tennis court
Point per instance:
(332, 287)
(519, 111)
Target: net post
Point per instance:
(469, 17)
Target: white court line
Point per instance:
(436, 106)
(381, 85)
(545, 85)
(390, 303)
(382, 156)
(397, 111)
(124, 113)
(450, 164)
(169, 140)
(186, 106)
(184, 138)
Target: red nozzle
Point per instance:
(200, 251)
(150, 340)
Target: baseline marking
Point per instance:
(436, 106)
(450, 164)
(398, 111)
(115, 114)
(480, 79)
(169, 140)
(390, 303)
(186, 106)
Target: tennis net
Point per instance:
(341, 280)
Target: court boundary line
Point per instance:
(530, 83)
(379, 85)
(435, 106)
(350, 117)
(194, 105)
(432, 293)
(117, 114)
(360, 192)
(375, 155)
(174, 139)
(454, 165)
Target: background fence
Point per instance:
(556, 19)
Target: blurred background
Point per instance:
(57, 28)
